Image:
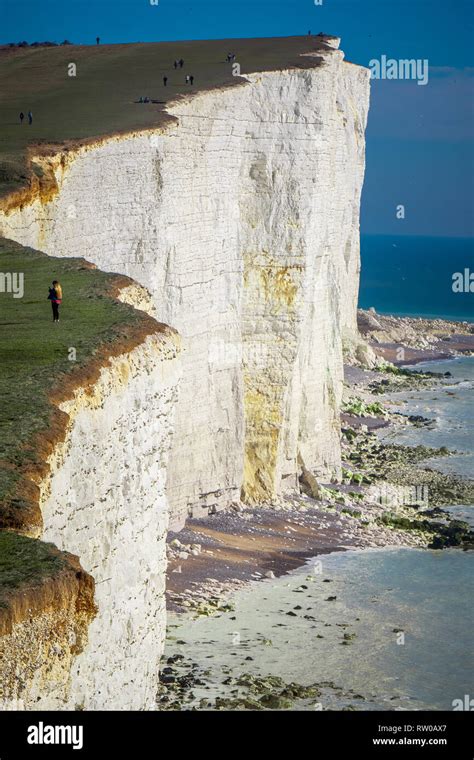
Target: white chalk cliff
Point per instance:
(106, 503)
(241, 219)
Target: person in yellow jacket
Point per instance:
(56, 297)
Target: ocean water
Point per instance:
(451, 409)
(425, 595)
(412, 276)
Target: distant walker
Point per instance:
(56, 297)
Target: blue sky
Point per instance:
(420, 150)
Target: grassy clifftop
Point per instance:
(41, 361)
(40, 364)
(102, 98)
(24, 562)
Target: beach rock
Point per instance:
(308, 481)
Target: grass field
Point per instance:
(102, 97)
(35, 360)
(35, 352)
(25, 562)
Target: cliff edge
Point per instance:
(234, 208)
(83, 513)
(240, 215)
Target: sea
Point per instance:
(450, 408)
(413, 276)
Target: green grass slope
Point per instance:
(35, 369)
(25, 562)
(36, 353)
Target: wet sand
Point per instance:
(237, 547)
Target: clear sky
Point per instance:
(420, 149)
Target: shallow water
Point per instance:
(451, 408)
(422, 594)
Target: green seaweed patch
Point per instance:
(454, 533)
(210, 607)
(355, 513)
(359, 408)
(404, 379)
(403, 523)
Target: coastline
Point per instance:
(412, 340)
(213, 556)
(354, 630)
(214, 560)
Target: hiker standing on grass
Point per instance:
(22, 116)
(181, 63)
(55, 296)
(30, 117)
(191, 79)
(165, 81)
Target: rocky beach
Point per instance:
(389, 498)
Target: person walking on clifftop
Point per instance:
(56, 297)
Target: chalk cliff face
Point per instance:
(242, 220)
(106, 503)
(45, 630)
